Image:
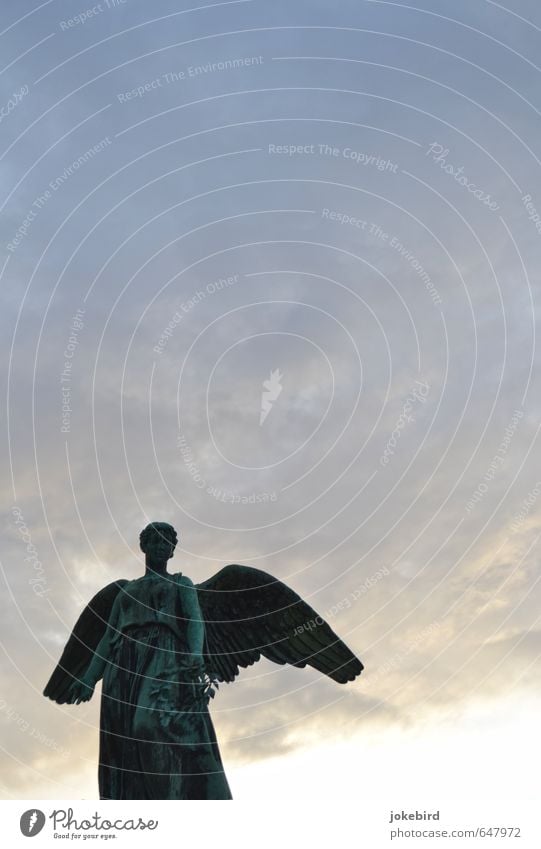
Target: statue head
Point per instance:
(158, 541)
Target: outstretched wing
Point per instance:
(248, 613)
(84, 639)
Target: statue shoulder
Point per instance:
(184, 580)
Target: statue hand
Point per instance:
(207, 681)
(195, 665)
(80, 691)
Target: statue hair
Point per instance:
(161, 528)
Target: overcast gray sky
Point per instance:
(340, 201)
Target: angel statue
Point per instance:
(161, 645)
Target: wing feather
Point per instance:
(249, 614)
(87, 633)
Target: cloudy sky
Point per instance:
(270, 272)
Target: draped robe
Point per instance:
(157, 739)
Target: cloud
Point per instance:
(190, 193)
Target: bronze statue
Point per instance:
(161, 644)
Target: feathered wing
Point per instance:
(249, 613)
(87, 633)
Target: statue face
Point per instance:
(160, 545)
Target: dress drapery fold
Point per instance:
(157, 739)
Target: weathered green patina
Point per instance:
(160, 645)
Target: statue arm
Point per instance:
(195, 624)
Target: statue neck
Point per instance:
(156, 567)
